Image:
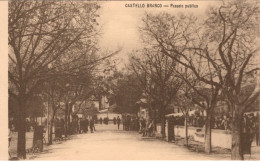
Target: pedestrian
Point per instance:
(123, 120)
(150, 128)
(127, 123)
(100, 120)
(114, 120)
(94, 124)
(91, 124)
(143, 125)
(118, 120)
(81, 126)
(86, 125)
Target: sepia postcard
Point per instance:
(130, 80)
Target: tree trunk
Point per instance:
(99, 103)
(163, 121)
(236, 149)
(51, 126)
(69, 119)
(21, 148)
(208, 133)
(186, 131)
(66, 119)
(69, 123)
(163, 127)
(50, 133)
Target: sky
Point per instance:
(120, 24)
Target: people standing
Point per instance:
(124, 121)
(150, 128)
(114, 120)
(118, 120)
(94, 121)
(81, 126)
(143, 124)
(86, 125)
(128, 123)
(91, 124)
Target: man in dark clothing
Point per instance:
(114, 120)
(86, 125)
(83, 123)
(91, 124)
(118, 120)
(100, 120)
(81, 126)
(127, 123)
(143, 125)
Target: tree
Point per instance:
(178, 37)
(53, 91)
(235, 40)
(41, 33)
(127, 92)
(155, 72)
(184, 101)
(218, 53)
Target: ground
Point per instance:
(109, 143)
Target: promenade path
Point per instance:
(109, 143)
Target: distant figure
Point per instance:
(91, 124)
(123, 122)
(114, 120)
(100, 120)
(118, 120)
(94, 125)
(128, 120)
(81, 126)
(143, 125)
(150, 128)
(86, 125)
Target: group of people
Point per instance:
(77, 126)
(83, 125)
(147, 127)
(117, 121)
(105, 120)
(141, 125)
(130, 123)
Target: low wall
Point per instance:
(220, 138)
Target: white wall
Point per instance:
(220, 138)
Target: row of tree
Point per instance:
(53, 54)
(185, 54)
